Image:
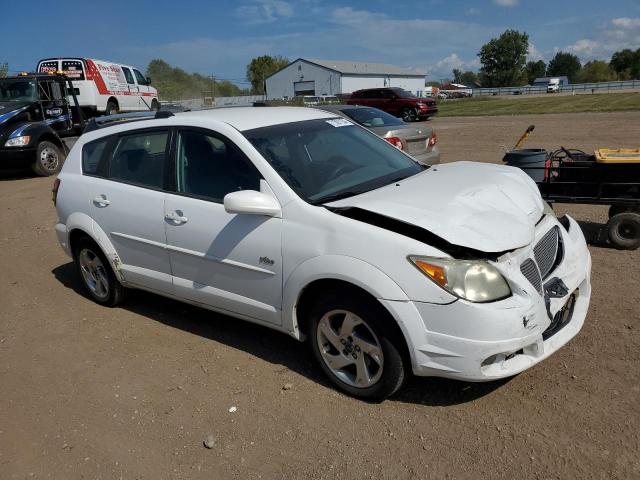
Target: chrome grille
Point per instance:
(531, 273)
(546, 251)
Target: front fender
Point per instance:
(335, 267)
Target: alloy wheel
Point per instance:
(94, 273)
(350, 348)
(49, 159)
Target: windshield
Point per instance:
(17, 89)
(402, 93)
(372, 117)
(324, 160)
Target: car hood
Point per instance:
(485, 207)
(11, 109)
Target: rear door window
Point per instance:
(73, 69)
(140, 159)
(50, 66)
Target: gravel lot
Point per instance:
(132, 392)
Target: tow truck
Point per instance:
(37, 118)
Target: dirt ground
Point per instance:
(132, 392)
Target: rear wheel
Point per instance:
(355, 347)
(624, 230)
(155, 106)
(96, 274)
(112, 107)
(49, 159)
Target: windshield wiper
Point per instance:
(337, 196)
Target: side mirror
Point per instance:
(148, 80)
(251, 202)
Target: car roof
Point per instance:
(248, 118)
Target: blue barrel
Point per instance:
(530, 160)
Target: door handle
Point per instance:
(176, 217)
(101, 201)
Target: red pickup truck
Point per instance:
(396, 101)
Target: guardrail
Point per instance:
(599, 87)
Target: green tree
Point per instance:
(176, 84)
(596, 71)
(261, 67)
(503, 60)
(564, 64)
(535, 70)
(4, 68)
(467, 78)
(626, 63)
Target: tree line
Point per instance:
(504, 64)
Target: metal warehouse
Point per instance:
(328, 77)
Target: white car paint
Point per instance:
(217, 261)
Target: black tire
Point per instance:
(112, 108)
(115, 292)
(616, 209)
(49, 159)
(155, 106)
(624, 230)
(391, 374)
(408, 114)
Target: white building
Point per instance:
(327, 77)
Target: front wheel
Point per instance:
(356, 348)
(49, 159)
(409, 114)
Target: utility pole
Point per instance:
(213, 85)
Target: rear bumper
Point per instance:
(16, 158)
(429, 158)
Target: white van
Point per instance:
(105, 87)
(553, 86)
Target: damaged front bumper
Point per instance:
(487, 341)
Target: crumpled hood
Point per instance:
(486, 207)
(10, 109)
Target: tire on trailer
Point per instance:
(354, 344)
(96, 275)
(49, 159)
(624, 230)
(112, 107)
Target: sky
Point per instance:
(221, 37)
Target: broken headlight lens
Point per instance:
(473, 280)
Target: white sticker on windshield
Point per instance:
(339, 122)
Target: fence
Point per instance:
(600, 87)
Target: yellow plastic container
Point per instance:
(618, 155)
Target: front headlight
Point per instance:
(18, 141)
(473, 280)
(548, 210)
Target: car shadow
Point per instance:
(272, 346)
(16, 175)
(596, 234)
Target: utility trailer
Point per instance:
(607, 177)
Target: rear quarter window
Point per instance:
(91, 155)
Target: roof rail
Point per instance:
(118, 118)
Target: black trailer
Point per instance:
(608, 177)
(36, 114)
